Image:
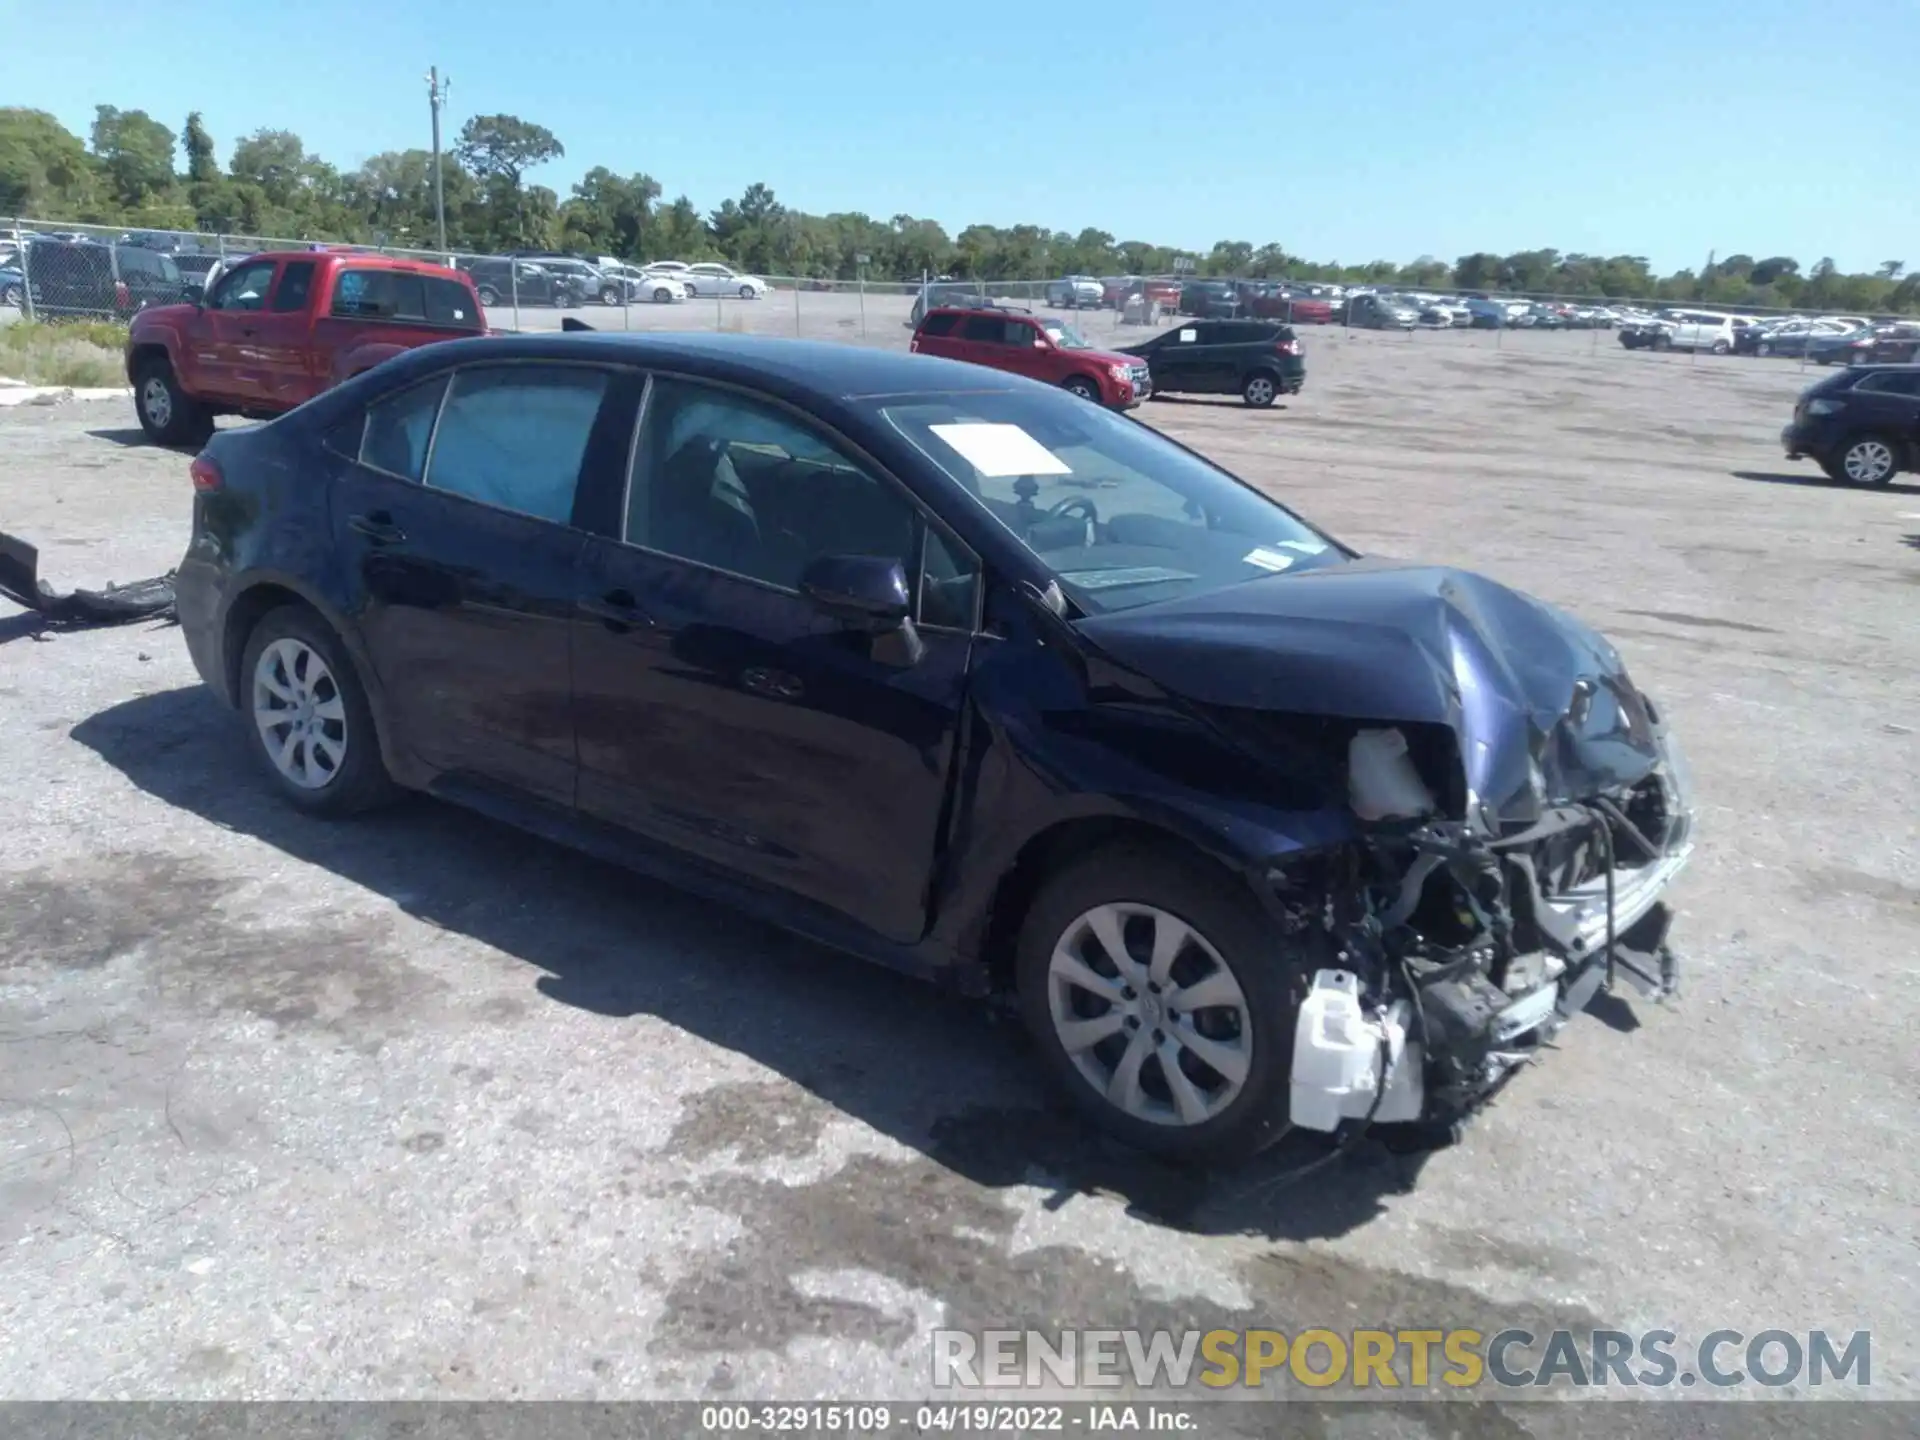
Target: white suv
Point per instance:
(1701, 330)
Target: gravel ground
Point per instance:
(420, 1107)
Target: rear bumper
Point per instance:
(196, 599)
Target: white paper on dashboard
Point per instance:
(997, 451)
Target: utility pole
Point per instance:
(436, 97)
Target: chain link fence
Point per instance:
(53, 271)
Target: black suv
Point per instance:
(525, 282)
(1210, 299)
(1862, 424)
(1254, 359)
(83, 279)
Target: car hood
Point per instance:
(160, 315)
(1540, 704)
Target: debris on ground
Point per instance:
(20, 582)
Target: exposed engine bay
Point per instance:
(1459, 947)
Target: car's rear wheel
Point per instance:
(1869, 460)
(1661, 341)
(609, 295)
(1163, 1001)
(1721, 347)
(1764, 350)
(308, 714)
(1259, 390)
(167, 413)
(15, 296)
(1083, 387)
(489, 297)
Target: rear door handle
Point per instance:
(378, 527)
(618, 609)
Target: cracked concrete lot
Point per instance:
(420, 1107)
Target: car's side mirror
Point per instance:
(865, 592)
(867, 595)
(1039, 342)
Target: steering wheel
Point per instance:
(1076, 505)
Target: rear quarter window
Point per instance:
(451, 303)
(939, 324)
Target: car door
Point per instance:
(281, 332)
(718, 711)
(455, 521)
(224, 344)
(1175, 361)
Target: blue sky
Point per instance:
(1363, 130)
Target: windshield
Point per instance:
(1064, 335)
(1119, 515)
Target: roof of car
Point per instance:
(362, 259)
(821, 367)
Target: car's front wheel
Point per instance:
(1721, 347)
(1083, 387)
(747, 292)
(1869, 460)
(609, 295)
(489, 297)
(1163, 1001)
(308, 714)
(14, 296)
(167, 413)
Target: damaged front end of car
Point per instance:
(1517, 810)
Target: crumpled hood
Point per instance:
(1520, 682)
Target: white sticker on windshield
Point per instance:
(997, 451)
(1189, 335)
(1136, 575)
(1268, 559)
(1305, 547)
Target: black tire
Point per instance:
(1261, 389)
(747, 292)
(663, 296)
(361, 782)
(1721, 347)
(489, 297)
(1836, 465)
(1083, 387)
(168, 415)
(609, 295)
(1215, 903)
(13, 295)
(1661, 341)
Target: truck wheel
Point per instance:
(167, 413)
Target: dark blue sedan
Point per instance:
(953, 670)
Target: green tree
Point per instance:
(136, 153)
(1890, 269)
(610, 214)
(44, 168)
(202, 167)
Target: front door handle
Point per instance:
(378, 528)
(617, 609)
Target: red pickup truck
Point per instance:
(277, 329)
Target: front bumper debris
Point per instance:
(1477, 949)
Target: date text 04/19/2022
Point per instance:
(855, 1419)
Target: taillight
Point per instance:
(1288, 347)
(122, 295)
(206, 475)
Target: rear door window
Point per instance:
(514, 436)
(243, 289)
(1892, 382)
(939, 324)
(399, 428)
(992, 330)
(450, 303)
(296, 284)
(379, 295)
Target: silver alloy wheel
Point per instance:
(301, 714)
(1259, 390)
(156, 399)
(663, 296)
(1765, 349)
(746, 292)
(1868, 462)
(1083, 388)
(1150, 1014)
(15, 297)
